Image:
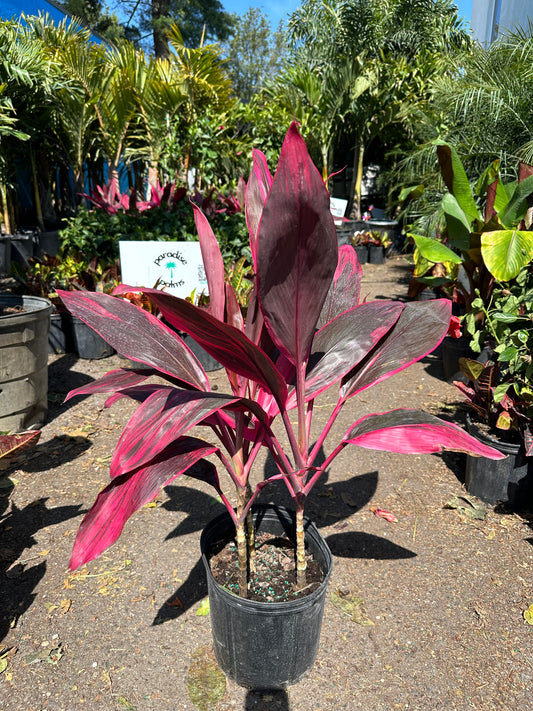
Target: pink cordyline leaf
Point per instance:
(345, 288)
(227, 344)
(233, 310)
(419, 330)
(163, 417)
(257, 189)
(10, 443)
(213, 264)
(105, 520)
(112, 381)
(296, 250)
(414, 432)
(139, 393)
(346, 340)
(381, 513)
(136, 334)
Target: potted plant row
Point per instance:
(499, 391)
(371, 246)
(305, 332)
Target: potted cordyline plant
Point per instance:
(305, 332)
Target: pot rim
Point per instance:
(259, 607)
(504, 447)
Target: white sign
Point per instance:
(177, 266)
(337, 207)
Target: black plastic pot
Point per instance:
(60, 336)
(452, 349)
(376, 254)
(362, 253)
(207, 362)
(263, 645)
(509, 480)
(89, 344)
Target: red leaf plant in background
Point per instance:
(305, 331)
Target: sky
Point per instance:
(278, 10)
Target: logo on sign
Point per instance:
(170, 261)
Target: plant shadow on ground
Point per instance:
(45, 456)
(266, 700)
(330, 504)
(17, 528)
(61, 380)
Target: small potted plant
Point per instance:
(499, 390)
(305, 331)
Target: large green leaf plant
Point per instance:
(483, 232)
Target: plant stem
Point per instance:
(301, 563)
(241, 546)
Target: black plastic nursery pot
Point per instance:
(362, 253)
(265, 645)
(87, 343)
(509, 480)
(452, 349)
(60, 337)
(376, 254)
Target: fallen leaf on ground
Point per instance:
(122, 701)
(175, 602)
(350, 500)
(65, 605)
(352, 605)
(50, 607)
(528, 615)
(206, 683)
(467, 507)
(203, 610)
(387, 515)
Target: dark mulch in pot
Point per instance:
(274, 579)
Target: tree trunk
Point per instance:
(5, 208)
(160, 11)
(36, 195)
(357, 181)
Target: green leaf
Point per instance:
(499, 392)
(456, 180)
(508, 354)
(413, 192)
(203, 609)
(352, 605)
(435, 251)
(516, 208)
(505, 252)
(471, 368)
(456, 222)
(528, 615)
(505, 318)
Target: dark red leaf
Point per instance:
(11, 443)
(213, 264)
(126, 494)
(345, 288)
(296, 250)
(419, 330)
(136, 334)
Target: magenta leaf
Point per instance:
(163, 417)
(227, 344)
(296, 250)
(345, 288)
(213, 263)
(112, 381)
(136, 334)
(257, 189)
(344, 342)
(126, 494)
(414, 432)
(419, 330)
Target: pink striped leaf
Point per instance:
(213, 263)
(343, 343)
(163, 417)
(345, 288)
(124, 495)
(227, 344)
(112, 381)
(296, 250)
(136, 334)
(419, 330)
(257, 189)
(414, 432)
